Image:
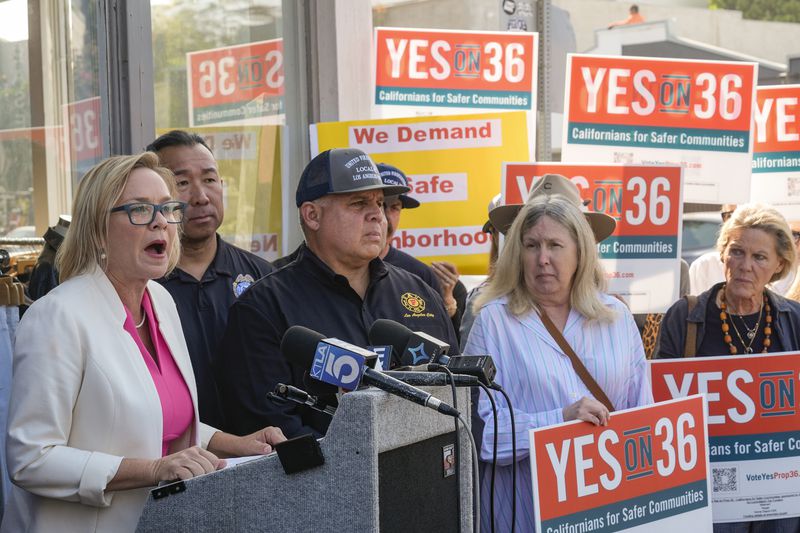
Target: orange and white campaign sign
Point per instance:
(695, 114)
(240, 84)
(647, 470)
(753, 427)
(776, 149)
(641, 257)
(453, 166)
(443, 71)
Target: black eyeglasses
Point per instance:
(144, 213)
(796, 236)
(726, 215)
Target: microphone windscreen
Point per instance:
(384, 331)
(299, 344)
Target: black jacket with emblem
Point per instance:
(308, 293)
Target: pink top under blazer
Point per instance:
(82, 400)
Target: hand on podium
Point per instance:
(258, 443)
(185, 464)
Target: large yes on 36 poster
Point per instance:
(646, 471)
(776, 149)
(753, 427)
(453, 164)
(445, 71)
(695, 114)
(641, 257)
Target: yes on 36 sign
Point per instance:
(664, 111)
(641, 257)
(646, 471)
(753, 427)
(776, 149)
(240, 84)
(454, 71)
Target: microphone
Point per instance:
(287, 392)
(432, 379)
(409, 348)
(385, 331)
(344, 365)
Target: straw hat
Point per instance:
(602, 225)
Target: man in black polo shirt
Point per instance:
(211, 273)
(337, 286)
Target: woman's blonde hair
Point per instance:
(767, 219)
(508, 278)
(84, 246)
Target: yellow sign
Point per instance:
(453, 164)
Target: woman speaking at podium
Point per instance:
(103, 402)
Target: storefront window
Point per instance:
(50, 112)
(218, 71)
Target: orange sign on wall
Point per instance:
(455, 69)
(235, 83)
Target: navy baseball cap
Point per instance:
(340, 170)
(395, 177)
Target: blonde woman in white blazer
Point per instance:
(86, 427)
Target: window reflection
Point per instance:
(50, 112)
(218, 71)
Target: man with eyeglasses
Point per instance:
(211, 273)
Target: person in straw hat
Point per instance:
(564, 349)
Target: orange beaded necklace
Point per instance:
(726, 333)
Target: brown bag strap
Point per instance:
(690, 348)
(577, 364)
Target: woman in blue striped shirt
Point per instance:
(549, 265)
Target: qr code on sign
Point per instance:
(725, 479)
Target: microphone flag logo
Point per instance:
(337, 365)
(418, 354)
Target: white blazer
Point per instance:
(83, 399)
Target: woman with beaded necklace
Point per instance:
(740, 315)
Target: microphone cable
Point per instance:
(497, 387)
(494, 450)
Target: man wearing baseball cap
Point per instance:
(337, 286)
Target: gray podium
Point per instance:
(384, 471)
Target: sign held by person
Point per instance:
(776, 149)
(641, 257)
(695, 114)
(647, 470)
(753, 426)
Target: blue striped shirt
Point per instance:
(540, 381)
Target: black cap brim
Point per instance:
(408, 202)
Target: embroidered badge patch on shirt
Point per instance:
(412, 302)
(242, 283)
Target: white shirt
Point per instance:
(540, 381)
(705, 272)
